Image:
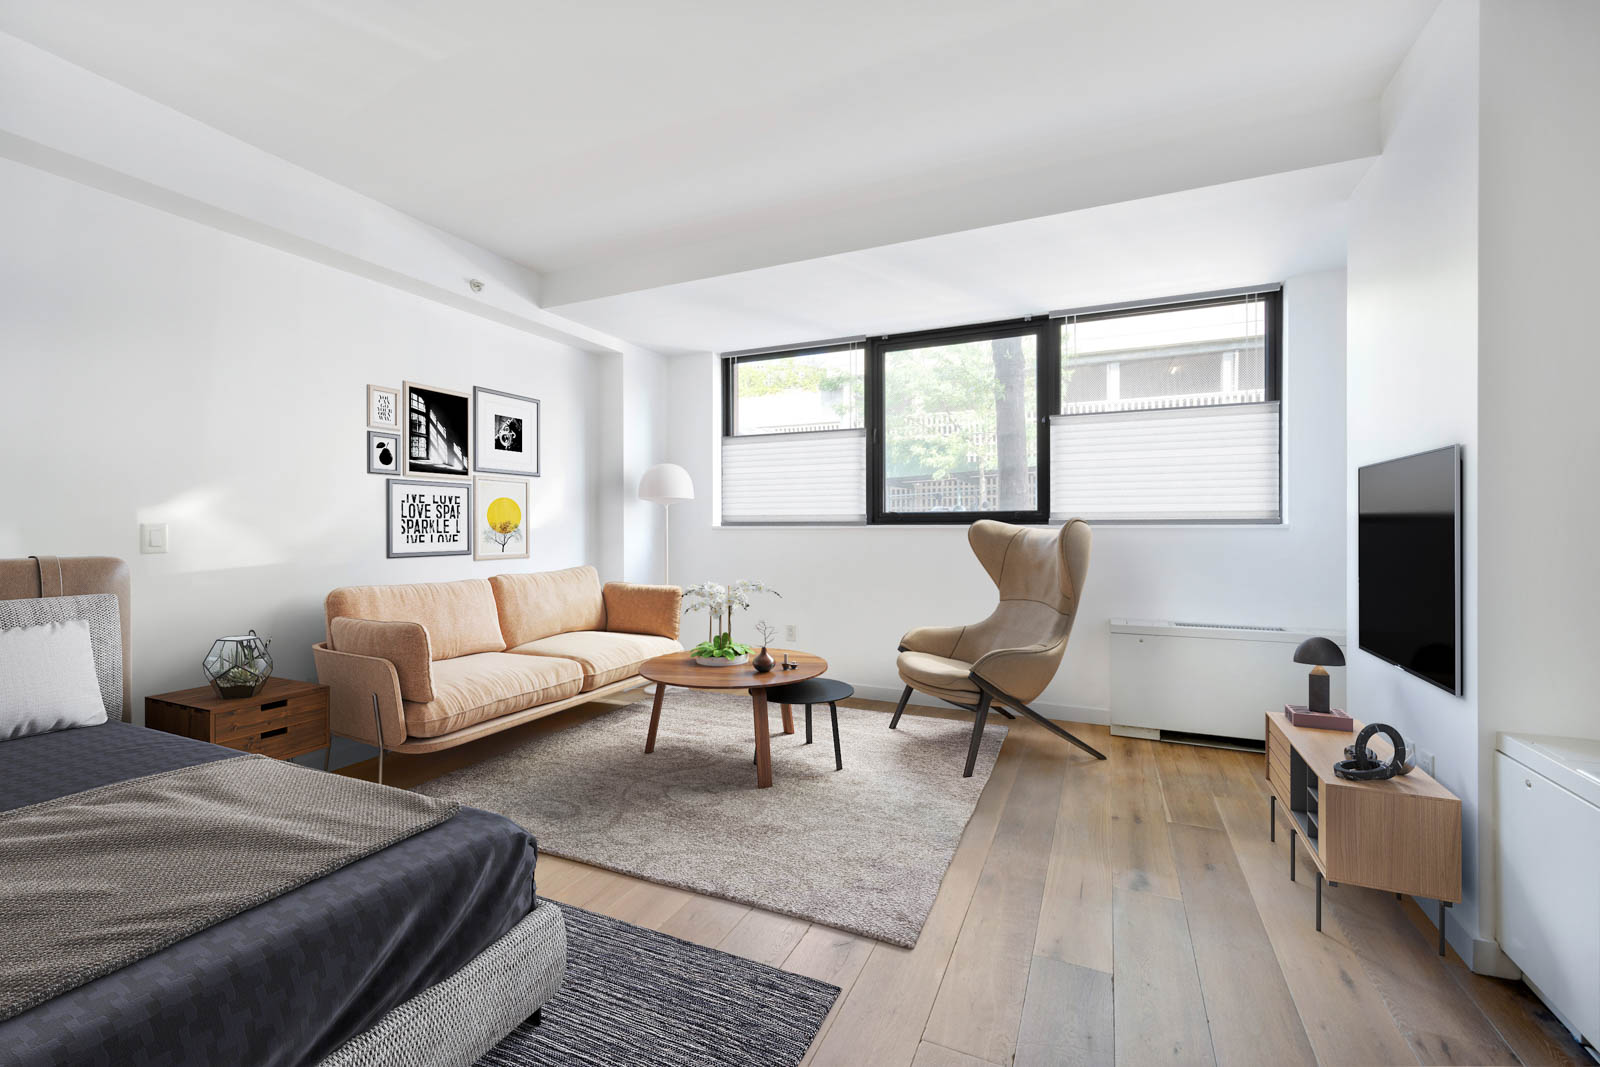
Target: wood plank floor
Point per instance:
(1129, 912)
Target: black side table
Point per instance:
(816, 691)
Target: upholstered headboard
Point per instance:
(40, 576)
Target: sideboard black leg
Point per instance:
(1443, 904)
(1272, 817)
(1319, 902)
(1292, 835)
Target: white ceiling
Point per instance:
(1243, 233)
(623, 145)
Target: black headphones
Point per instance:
(1361, 765)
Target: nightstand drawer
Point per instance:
(251, 721)
(281, 742)
(287, 718)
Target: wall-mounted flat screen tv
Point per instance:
(1409, 564)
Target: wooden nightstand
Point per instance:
(287, 718)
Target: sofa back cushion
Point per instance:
(549, 602)
(404, 644)
(460, 617)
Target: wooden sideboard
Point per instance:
(1401, 834)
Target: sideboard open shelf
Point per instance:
(1402, 834)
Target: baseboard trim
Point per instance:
(1490, 959)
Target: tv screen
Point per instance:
(1409, 564)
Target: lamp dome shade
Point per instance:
(666, 483)
(1319, 650)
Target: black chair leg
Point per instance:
(1050, 725)
(808, 724)
(977, 733)
(833, 713)
(900, 708)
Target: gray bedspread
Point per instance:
(99, 879)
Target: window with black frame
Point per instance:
(1169, 413)
(794, 442)
(960, 426)
(1163, 413)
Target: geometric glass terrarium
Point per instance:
(238, 666)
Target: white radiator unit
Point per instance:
(1197, 680)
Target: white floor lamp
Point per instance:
(666, 484)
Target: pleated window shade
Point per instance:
(1203, 464)
(795, 478)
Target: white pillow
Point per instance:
(47, 680)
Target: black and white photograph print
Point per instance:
(429, 518)
(383, 453)
(383, 408)
(505, 433)
(438, 423)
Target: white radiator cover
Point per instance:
(1208, 678)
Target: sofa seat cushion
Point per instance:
(473, 689)
(936, 674)
(603, 657)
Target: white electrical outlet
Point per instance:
(791, 632)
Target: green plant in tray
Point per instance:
(722, 646)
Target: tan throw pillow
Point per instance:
(404, 644)
(643, 609)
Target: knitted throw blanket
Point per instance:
(97, 880)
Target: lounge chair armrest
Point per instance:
(934, 640)
(352, 681)
(1021, 673)
(632, 608)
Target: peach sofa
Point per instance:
(418, 668)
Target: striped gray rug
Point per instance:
(635, 996)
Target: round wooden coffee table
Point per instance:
(680, 669)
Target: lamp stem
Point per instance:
(666, 546)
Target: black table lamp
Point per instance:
(1323, 653)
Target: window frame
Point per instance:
(1272, 339)
(1047, 330)
(1047, 367)
(730, 385)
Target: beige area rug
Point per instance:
(863, 849)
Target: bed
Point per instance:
(426, 952)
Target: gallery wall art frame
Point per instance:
(377, 463)
(500, 519)
(505, 433)
(437, 431)
(383, 408)
(427, 517)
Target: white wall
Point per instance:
(158, 370)
(193, 323)
(1537, 378)
(852, 592)
(1412, 368)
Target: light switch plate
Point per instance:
(152, 537)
